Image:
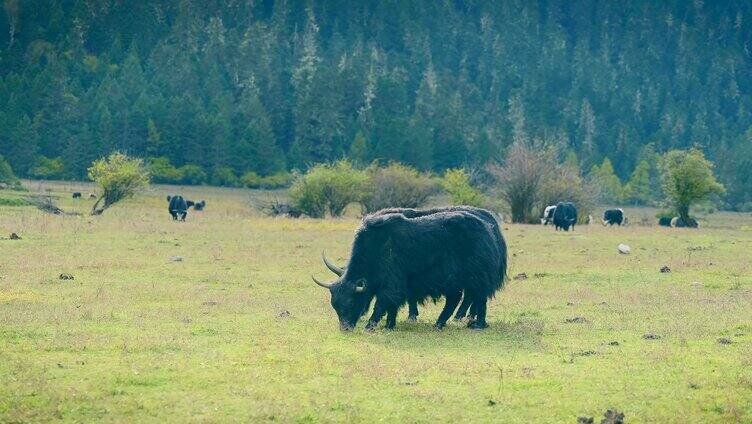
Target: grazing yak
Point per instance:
(613, 216)
(77, 195)
(412, 303)
(548, 215)
(178, 207)
(396, 258)
(664, 221)
(199, 206)
(565, 216)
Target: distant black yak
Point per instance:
(565, 216)
(396, 258)
(664, 221)
(613, 216)
(548, 215)
(178, 207)
(412, 303)
(199, 206)
(77, 195)
(678, 222)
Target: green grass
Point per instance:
(137, 337)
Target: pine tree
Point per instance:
(22, 148)
(638, 188)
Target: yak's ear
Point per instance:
(360, 285)
(168, 198)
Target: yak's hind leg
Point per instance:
(451, 303)
(479, 308)
(464, 306)
(412, 314)
(391, 318)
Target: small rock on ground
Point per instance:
(14, 236)
(575, 320)
(65, 277)
(651, 336)
(624, 249)
(724, 341)
(176, 259)
(521, 276)
(284, 314)
(665, 269)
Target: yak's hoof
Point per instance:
(440, 325)
(412, 318)
(370, 327)
(477, 325)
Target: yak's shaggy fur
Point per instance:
(483, 214)
(396, 257)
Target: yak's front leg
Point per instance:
(378, 312)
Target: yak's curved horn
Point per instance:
(333, 268)
(328, 286)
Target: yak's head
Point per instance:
(350, 295)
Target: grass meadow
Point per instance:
(237, 332)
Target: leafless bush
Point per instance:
(532, 178)
(522, 177)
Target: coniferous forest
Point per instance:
(221, 88)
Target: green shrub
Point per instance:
(328, 188)
(7, 178)
(14, 202)
(119, 176)
(456, 183)
(192, 175)
(162, 171)
(397, 186)
(224, 176)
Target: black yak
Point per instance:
(548, 215)
(178, 207)
(565, 216)
(396, 258)
(76, 195)
(412, 303)
(679, 222)
(613, 216)
(664, 221)
(199, 206)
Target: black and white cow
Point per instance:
(613, 216)
(548, 214)
(77, 195)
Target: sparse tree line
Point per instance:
(531, 178)
(243, 93)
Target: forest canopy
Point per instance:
(221, 89)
